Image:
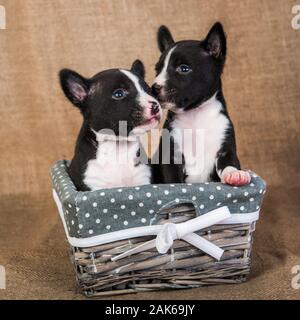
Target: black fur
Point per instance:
(100, 111)
(164, 38)
(206, 58)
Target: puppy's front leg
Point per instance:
(229, 169)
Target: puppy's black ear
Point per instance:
(164, 38)
(215, 42)
(138, 68)
(74, 86)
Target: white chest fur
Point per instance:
(116, 165)
(199, 134)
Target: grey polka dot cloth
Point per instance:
(98, 212)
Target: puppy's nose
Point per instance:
(154, 108)
(156, 88)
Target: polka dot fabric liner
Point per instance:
(93, 213)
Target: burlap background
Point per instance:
(38, 126)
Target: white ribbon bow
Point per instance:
(185, 231)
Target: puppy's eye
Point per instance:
(183, 69)
(119, 94)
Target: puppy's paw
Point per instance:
(236, 178)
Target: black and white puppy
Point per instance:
(188, 84)
(117, 107)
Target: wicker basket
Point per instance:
(112, 257)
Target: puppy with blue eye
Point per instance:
(188, 84)
(117, 108)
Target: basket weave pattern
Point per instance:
(123, 241)
(184, 266)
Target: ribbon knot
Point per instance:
(169, 232)
(166, 237)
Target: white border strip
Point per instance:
(138, 231)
